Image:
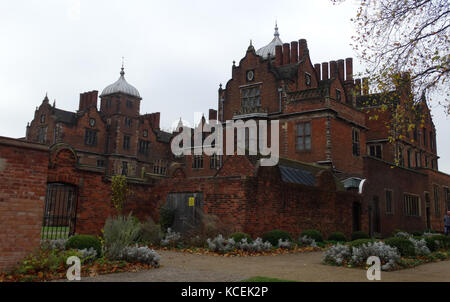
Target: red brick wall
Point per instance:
(23, 177)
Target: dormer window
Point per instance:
(307, 79)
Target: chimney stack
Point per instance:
(340, 64)
(302, 48)
(294, 52)
(325, 71)
(212, 116)
(333, 69)
(286, 53)
(88, 99)
(349, 69)
(317, 69)
(278, 55)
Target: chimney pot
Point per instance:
(294, 52)
(286, 53)
(349, 69)
(325, 71)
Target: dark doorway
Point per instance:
(188, 209)
(60, 211)
(356, 216)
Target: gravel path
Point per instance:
(184, 267)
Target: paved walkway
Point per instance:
(183, 267)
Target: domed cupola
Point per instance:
(270, 48)
(121, 86)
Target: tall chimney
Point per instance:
(333, 69)
(212, 116)
(294, 52)
(302, 48)
(278, 55)
(317, 69)
(286, 53)
(349, 69)
(340, 64)
(325, 71)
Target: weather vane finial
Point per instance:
(122, 72)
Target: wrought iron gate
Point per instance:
(60, 211)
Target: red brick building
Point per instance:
(336, 171)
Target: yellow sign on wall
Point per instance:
(191, 201)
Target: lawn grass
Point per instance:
(265, 279)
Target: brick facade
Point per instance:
(23, 178)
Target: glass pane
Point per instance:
(300, 130)
(244, 93)
(308, 142)
(307, 128)
(300, 144)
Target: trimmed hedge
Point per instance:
(274, 235)
(431, 243)
(337, 236)
(313, 234)
(238, 236)
(359, 235)
(359, 242)
(84, 242)
(403, 245)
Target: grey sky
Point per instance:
(176, 52)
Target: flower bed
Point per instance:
(400, 252)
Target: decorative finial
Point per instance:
(234, 63)
(220, 86)
(54, 103)
(122, 72)
(276, 34)
(251, 42)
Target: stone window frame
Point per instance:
(129, 104)
(128, 122)
(42, 118)
(215, 161)
(90, 137)
(100, 163)
(245, 98)
(389, 210)
(370, 145)
(126, 143)
(160, 167)
(145, 133)
(308, 79)
(303, 135)
(338, 95)
(197, 162)
(408, 205)
(144, 146)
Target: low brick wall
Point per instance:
(23, 178)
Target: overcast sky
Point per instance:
(176, 52)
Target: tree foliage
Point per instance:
(119, 192)
(404, 45)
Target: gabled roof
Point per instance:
(64, 116)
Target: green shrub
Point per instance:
(417, 233)
(313, 234)
(119, 233)
(431, 243)
(359, 235)
(359, 242)
(166, 217)
(337, 236)
(275, 235)
(150, 232)
(403, 245)
(443, 241)
(397, 231)
(238, 236)
(81, 242)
